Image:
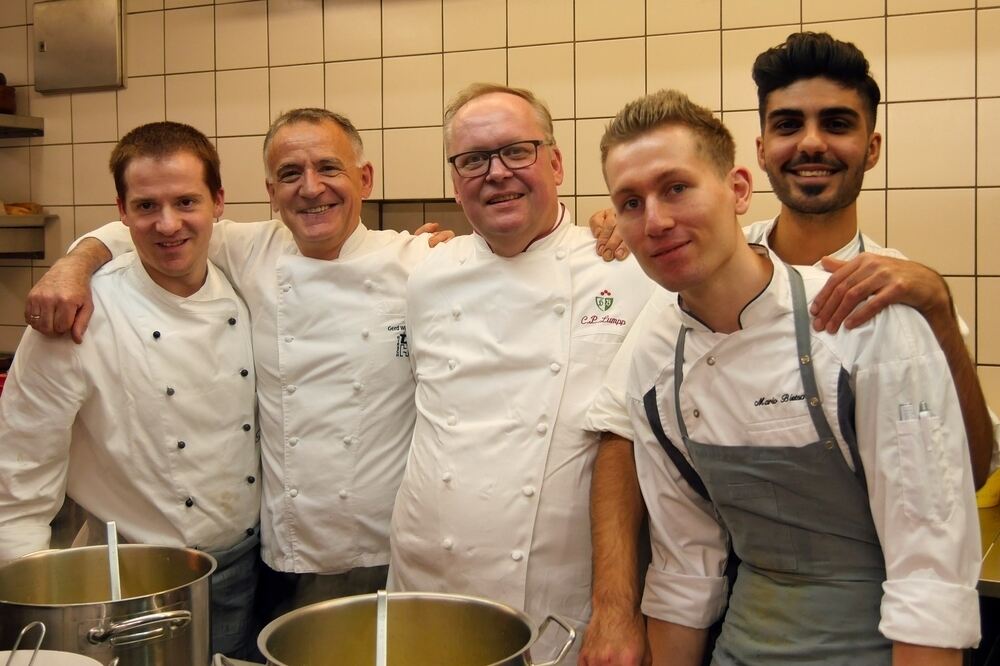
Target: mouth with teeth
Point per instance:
(316, 210)
(503, 198)
(171, 244)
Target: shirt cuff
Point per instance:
(931, 613)
(17, 539)
(692, 601)
(605, 416)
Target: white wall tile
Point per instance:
(190, 98)
(140, 103)
(739, 49)
(744, 14)
(15, 183)
(608, 75)
(372, 140)
(917, 138)
(596, 20)
(533, 22)
(296, 87)
(466, 67)
(915, 219)
(413, 90)
(745, 128)
(58, 234)
(963, 295)
(763, 206)
(14, 286)
(689, 62)
(564, 132)
(94, 116)
(872, 214)
(52, 174)
(354, 88)
(474, 24)
(243, 106)
(988, 52)
(988, 231)
(824, 10)
(14, 55)
(243, 168)
(928, 56)
(241, 35)
(664, 16)
(988, 295)
(411, 27)
(295, 31)
(589, 178)
(92, 182)
(352, 29)
(409, 156)
(189, 40)
(912, 6)
(868, 35)
(57, 112)
(255, 212)
(144, 44)
(132, 6)
(548, 72)
(90, 218)
(989, 379)
(12, 12)
(988, 142)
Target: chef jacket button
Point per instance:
(285, 288)
(369, 284)
(170, 390)
(294, 492)
(446, 477)
(452, 420)
(559, 309)
(814, 401)
(347, 440)
(251, 479)
(291, 388)
(358, 386)
(528, 491)
(289, 338)
(246, 427)
(696, 413)
(181, 445)
(156, 335)
(711, 360)
(541, 428)
(365, 333)
(292, 441)
(452, 363)
(456, 312)
(447, 544)
(560, 254)
(516, 555)
(555, 368)
(232, 321)
(189, 502)
(244, 372)
(249, 531)
(829, 444)
(342, 494)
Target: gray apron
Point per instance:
(810, 580)
(233, 586)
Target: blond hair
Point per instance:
(475, 90)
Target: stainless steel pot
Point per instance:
(162, 619)
(424, 630)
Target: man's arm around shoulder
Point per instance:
(61, 301)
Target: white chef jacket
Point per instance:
(149, 422)
(334, 385)
(508, 353)
(744, 389)
(609, 411)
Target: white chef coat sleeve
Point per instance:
(685, 582)
(41, 398)
(114, 235)
(919, 482)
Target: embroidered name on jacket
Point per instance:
(603, 301)
(764, 401)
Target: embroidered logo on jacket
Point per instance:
(402, 349)
(604, 301)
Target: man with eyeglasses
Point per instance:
(511, 330)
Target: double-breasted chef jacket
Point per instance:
(609, 412)
(334, 385)
(150, 422)
(884, 385)
(507, 354)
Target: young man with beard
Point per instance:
(817, 105)
(150, 421)
(835, 464)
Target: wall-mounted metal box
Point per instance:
(78, 45)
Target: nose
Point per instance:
(812, 140)
(498, 170)
(658, 218)
(312, 185)
(169, 222)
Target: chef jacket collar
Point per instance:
(354, 241)
(849, 251)
(773, 301)
(548, 241)
(140, 278)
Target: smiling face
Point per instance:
(316, 185)
(676, 213)
(170, 211)
(510, 208)
(816, 145)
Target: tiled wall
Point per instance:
(229, 67)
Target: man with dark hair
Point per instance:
(150, 421)
(834, 463)
(817, 140)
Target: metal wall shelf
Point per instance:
(23, 236)
(12, 126)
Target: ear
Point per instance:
(557, 164)
(121, 211)
(367, 179)
(874, 150)
(760, 151)
(219, 203)
(456, 181)
(742, 184)
(270, 195)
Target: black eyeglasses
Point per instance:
(517, 155)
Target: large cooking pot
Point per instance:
(162, 618)
(424, 629)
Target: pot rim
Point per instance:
(39, 554)
(290, 616)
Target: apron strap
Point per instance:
(803, 337)
(676, 457)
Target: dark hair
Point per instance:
(160, 140)
(807, 55)
(315, 116)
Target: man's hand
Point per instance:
(615, 639)
(604, 226)
(882, 281)
(439, 235)
(61, 302)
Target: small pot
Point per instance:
(162, 619)
(424, 629)
(47, 658)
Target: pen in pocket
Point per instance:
(906, 412)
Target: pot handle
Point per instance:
(565, 648)
(161, 622)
